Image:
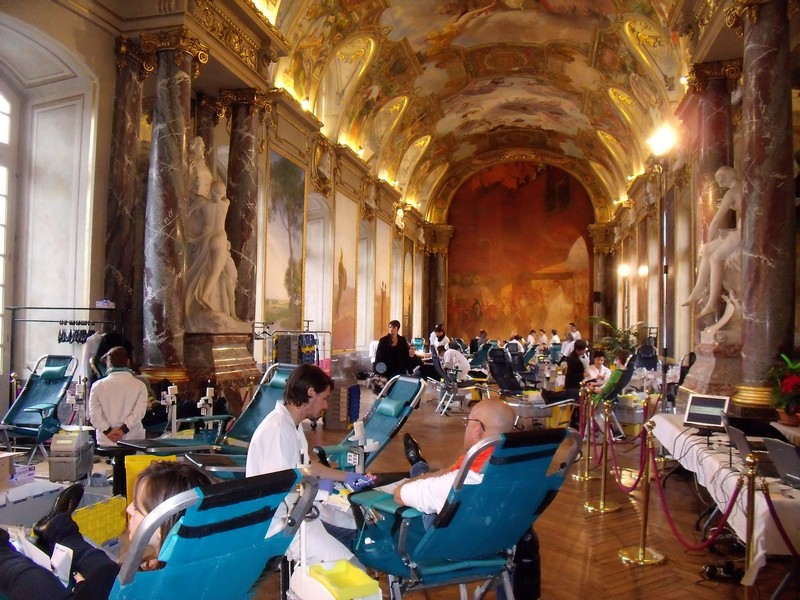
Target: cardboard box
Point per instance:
(7, 469)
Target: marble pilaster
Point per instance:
(125, 208)
(246, 110)
(768, 224)
(164, 285)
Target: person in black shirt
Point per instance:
(573, 378)
(391, 357)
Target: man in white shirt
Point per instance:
(454, 360)
(576, 335)
(428, 492)
(279, 443)
(118, 401)
(438, 338)
(555, 339)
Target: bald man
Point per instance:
(428, 492)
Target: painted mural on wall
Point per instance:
(344, 278)
(284, 262)
(526, 266)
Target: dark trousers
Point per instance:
(22, 579)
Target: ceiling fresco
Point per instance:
(443, 88)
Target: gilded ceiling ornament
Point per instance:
(212, 105)
(323, 164)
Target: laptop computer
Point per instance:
(705, 412)
(786, 458)
(765, 467)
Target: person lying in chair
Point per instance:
(22, 579)
(620, 363)
(427, 491)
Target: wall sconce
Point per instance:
(624, 272)
(643, 271)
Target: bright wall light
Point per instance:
(624, 270)
(662, 140)
(643, 270)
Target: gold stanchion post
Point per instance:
(751, 462)
(642, 555)
(603, 506)
(585, 407)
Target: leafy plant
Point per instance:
(785, 379)
(619, 338)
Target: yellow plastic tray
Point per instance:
(344, 580)
(103, 521)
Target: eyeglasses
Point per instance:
(466, 421)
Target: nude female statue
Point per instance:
(722, 244)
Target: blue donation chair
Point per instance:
(473, 537)
(479, 358)
(508, 380)
(392, 408)
(219, 548)
(448, 385)
(34, 413)
(237, 439)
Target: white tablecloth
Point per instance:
(715, 472)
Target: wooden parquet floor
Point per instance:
(579, 550)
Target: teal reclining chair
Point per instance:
(473, 537)
(34, 413)
(398, 398)
(236, 441)
(219, 548)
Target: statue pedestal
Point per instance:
(221, 357)
(716, 371)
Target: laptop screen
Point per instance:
(705, 412)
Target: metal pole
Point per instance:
(585, 407)
(751, 462)
(603, 506)
(642, 555)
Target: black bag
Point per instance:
(527, 567)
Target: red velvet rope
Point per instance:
(779, 525)
(617, 473)
(688, 545)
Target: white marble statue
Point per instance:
(722, 244)
(200, 176)
(211, 274)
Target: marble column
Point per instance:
(207, 116)
(246, 109)
(125, 209)
(437, 241)
(164, 291)
(768, 219)
(718, 362)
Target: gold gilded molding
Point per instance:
(701, 73)
(272, 29)
(256, 99)
(219, 24)
(752, 395)
(128, 51)
(368, 199)
(437, 238)
(323, 164)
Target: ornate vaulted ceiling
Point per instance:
(429, 92)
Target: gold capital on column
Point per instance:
(437, 238)
(178, 40)
(701, 73)
(602, 235)
(128, 51)
(212, 105)
(749, 8)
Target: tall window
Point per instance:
(6, 162)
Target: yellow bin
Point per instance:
(135, 464)
(344, 580)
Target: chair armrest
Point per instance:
(206, 419)
(383, 502)
(338, 454)
(40, 408)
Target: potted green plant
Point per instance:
(619, 338)
(785, 379)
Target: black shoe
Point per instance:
(66, 502)
(411, 447)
